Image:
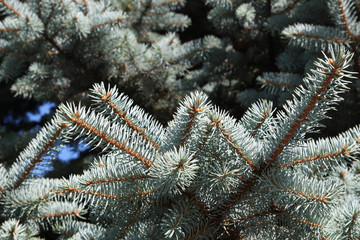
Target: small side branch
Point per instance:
(236, 147)
(343, 18)
(110, 180)
(197, 233)
(187, 56)
(142, 193)
(355, 215)
(37, 158)
(192, 114)
(342, 152)
(303, 116)
(303, 221)
(290, 6)
(168, 2)
(10, 7)
(76, 213)
(102, 195)
(261, 122)
(318, 38)
(106, 99)
(235, 3)
(282, 84)
(5, 50)
(77, 190)
(13, 231)
(147, 8)
(201, 206)
(130, 222)
(104, 136)
(203, 142)
(321, 198)
(9, 29)
(255, 215)
(246, 185)
(108, 22)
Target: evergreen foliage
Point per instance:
(59, 49)
(309, 27)
(46, 42)
(205, 176)
(282, 38)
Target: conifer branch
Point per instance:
(321, 236)
(62, 214)
(142, 193)
(302, 221)
(288, 7)
(203, 142)
(344, 18)
(143, 13)
(308, 36)
(10, 8)
(188, 115)
(261, 122)
(75, 59)
(168, 2)
(105, 137)
(233, 2)
(118, 179)
(119, 19)
(174, 23)
(141, 131)
(50, 15)
(188, 55)
(257, 118)
(321, 198)
(84, 2)
(31, 41)
(39, 9)
(355, 215)
(199, 170)
(345, 151)
(64, 6)
(216, 122)
(335, 72)
(192, 111)
(282, 84)
(200, 205)
(179, 218)
(70, 189)
(254, 215)
(6, 50)
(131, 221)
(222, 14)
(10, 29)
(198, 232)
(66, 233)
(13, 232)
(246, 185)
(37, 158)
(53, 43)
(6, 73)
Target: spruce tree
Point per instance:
(205, 176)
